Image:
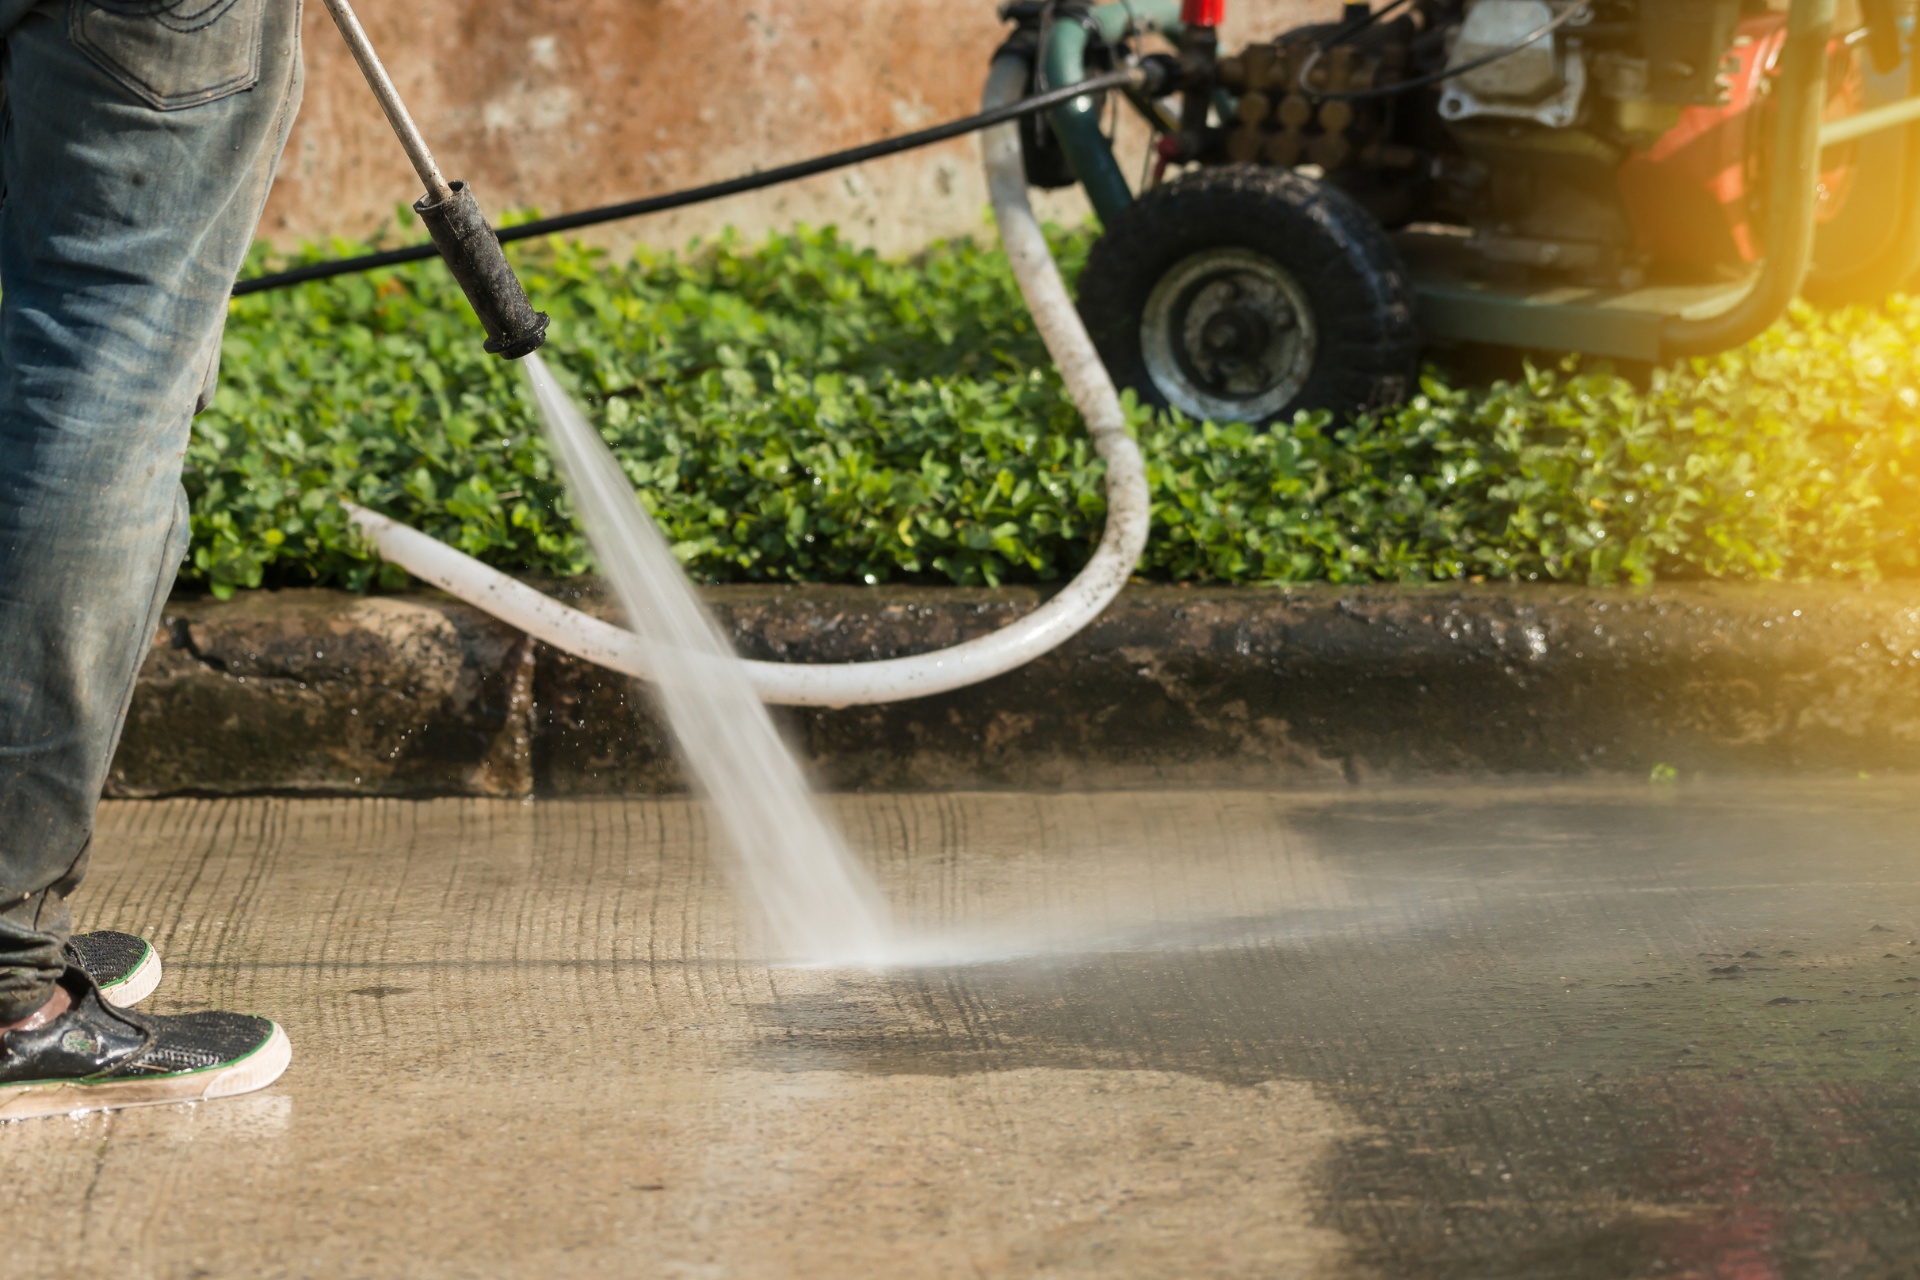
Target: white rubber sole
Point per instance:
(136, 986)
(72, 1097)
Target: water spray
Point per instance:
(816, 902)
(453, 217)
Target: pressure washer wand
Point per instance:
(452, 215)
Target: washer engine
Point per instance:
(1565, 136)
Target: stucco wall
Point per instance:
(562, 104)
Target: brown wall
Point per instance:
(562, 104)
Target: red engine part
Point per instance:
(1202, 13)
(1690, 195)
(1693, 196)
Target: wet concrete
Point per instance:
(1593, 1030)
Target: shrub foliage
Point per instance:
(804, 410)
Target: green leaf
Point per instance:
(807, 410)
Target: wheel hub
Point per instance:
(1237, 333)
(1228, 336)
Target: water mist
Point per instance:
(817, 903)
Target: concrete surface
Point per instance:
(564, 104)
(308, 691)
(1576, 1031)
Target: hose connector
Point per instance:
(477, 260)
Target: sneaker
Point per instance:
(125, 968)
(95, 1057)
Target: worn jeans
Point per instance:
(138, 142)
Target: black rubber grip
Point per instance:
(473, 254)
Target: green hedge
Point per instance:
(803, 410)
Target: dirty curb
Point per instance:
(322, 692)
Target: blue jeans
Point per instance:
(137, 143)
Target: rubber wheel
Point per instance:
(1249, 294)
(1868, 240)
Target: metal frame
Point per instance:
(1640, 324)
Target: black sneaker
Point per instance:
(95, 1057)
(124, 967)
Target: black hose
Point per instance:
(1340, 35)
(1436, 77)
(700, 195)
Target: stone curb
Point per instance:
(321, 692)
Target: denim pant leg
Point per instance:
(136, 149)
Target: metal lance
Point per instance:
(453, 217)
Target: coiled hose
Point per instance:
(890, 679)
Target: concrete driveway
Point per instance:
(1584, 1031)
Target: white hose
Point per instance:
(892, 679)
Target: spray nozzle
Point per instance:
(478, 262)
(453, 217)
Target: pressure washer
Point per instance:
(1636, 179)
(1639, 179)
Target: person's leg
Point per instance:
(136, 149)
